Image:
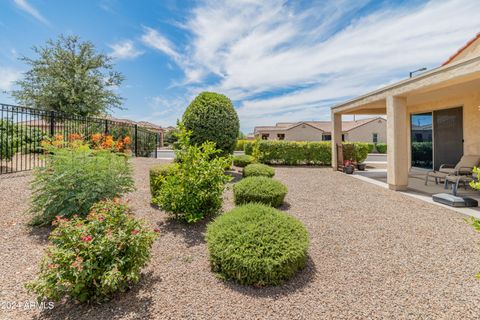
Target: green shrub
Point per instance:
(248, 147)
(10, 142)
(74, 178)
(371, 147)
(242, 160)
(212, 117)
(196, 188)
(240, 144)
(257, 245)
(258, 169)
(92, 258)
(293, 153)
(158, 174)
(361, 151)
(381, 147)
(260, 189)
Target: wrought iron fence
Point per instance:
(22, 129)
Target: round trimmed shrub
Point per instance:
(257, 245)
(260, 189)
(242, 160)
(381, 147)
(258, 170)
(158, 174)
(212, 117)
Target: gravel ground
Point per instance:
(374, 253)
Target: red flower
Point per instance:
(156, 230)
(134, 232)
(87, 238)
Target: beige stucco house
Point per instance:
(364, 130)
(438, 111)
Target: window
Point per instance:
(281, 136)
(375, 137)
(327, 137)
(343, 137)
(265, 136)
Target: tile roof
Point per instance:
(468, 44)
(325, 126)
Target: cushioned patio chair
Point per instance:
(463, 167)
(459, 179)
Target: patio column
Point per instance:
(336, 136)
(397, 143)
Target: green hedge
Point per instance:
(381, 147)
(357, 151)
(258, 170)
(294, 153)
(248, 146)
(257, 245)
(243, 160)
(371, 147)
(240, 144)
(158, 173)
(261, 190)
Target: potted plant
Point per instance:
(348, 167)
(361, 166)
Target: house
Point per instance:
(364, 130)
(439, 108)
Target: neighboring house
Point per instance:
(364, 130)
(440, 105)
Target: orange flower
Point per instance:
(74, 137)
(119, 145)
(96, 137)
(107, 144)
(58, 137)
(127, 140)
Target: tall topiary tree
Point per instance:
(69, 76)
(212, 117)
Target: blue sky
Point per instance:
(277, 60)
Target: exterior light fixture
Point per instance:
(418, 70)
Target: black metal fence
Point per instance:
(22, 130)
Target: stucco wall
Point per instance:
(303, 132)
(365, 132)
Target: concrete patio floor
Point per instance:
(377, 174)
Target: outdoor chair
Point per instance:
(456, 180)
(462, 168)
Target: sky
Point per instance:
(276, 60)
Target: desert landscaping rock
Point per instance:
(374, 253)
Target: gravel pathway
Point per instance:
(374, 254)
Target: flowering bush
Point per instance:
(195, 188)
(75, 176)
(91, 258)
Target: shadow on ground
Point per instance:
(134, 304)
(39, 234)
(236, 176)
(192, 234)
(298, 282)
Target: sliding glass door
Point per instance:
(437, 138)
(422, 140)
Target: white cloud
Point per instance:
(7, 78)
(124, 50)
(154, 39)
(277, 60)
(25, 6)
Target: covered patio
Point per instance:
(432, 119)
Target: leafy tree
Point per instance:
(212, 117)
(69, 76)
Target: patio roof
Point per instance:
(453, 73)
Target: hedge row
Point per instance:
(294, 153)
